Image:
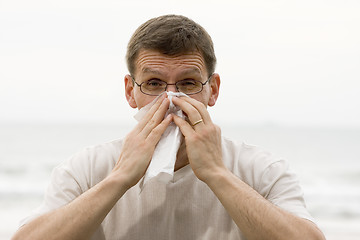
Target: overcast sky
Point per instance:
(281, 62)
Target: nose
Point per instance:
(171, 88)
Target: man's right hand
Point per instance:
(80, 218)
(140, 143)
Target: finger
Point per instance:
(156, 133)
(185, 128)
(200, 107)
(142, 123)
(192, 112)
(157, 117)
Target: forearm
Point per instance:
(78, 219)
(255, 216)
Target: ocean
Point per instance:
(326, 160)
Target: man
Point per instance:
(220, 189)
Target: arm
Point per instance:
(255, 216)
(80, 218)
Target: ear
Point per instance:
(129, 91)
(214, 89)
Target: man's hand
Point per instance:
(203, 140)
(80, 218)
(256, 217)
(139, 145)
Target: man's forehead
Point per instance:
(149, 61)
(193, 70)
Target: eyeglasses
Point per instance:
(155, 87)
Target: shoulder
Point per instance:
(77, 174)
(245, 154)
(107, 150)
(270, 176)
(250, 163)
(91, 164)
(101, 153)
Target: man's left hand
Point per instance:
(202, 138)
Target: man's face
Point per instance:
(171, 69)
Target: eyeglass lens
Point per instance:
(155, 86)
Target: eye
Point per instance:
(187, 83)
(154, 83)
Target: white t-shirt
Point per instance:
(185, 208)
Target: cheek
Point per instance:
(202, 96)
(142, 99)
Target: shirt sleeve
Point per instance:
(64, 187)
(280, 186)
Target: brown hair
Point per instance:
(171, 35)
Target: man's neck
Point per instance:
(181, 157)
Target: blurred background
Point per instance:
(290, 75)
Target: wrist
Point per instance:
(217, 177)
(118, 183)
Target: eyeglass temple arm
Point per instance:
(133, 79)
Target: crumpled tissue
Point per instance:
(164, 157)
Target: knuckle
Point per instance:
(196, 138)
(210, 131)
(151, 122)
(156, 131)
(193, 111)
(159, 130)
(218, 129)
(204, 135)
(141, 144)
(214, 129)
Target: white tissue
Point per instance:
(164, 157)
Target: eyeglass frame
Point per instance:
(167, 84)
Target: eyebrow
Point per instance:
(148, 70)
(191, 70)
(187, 71)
